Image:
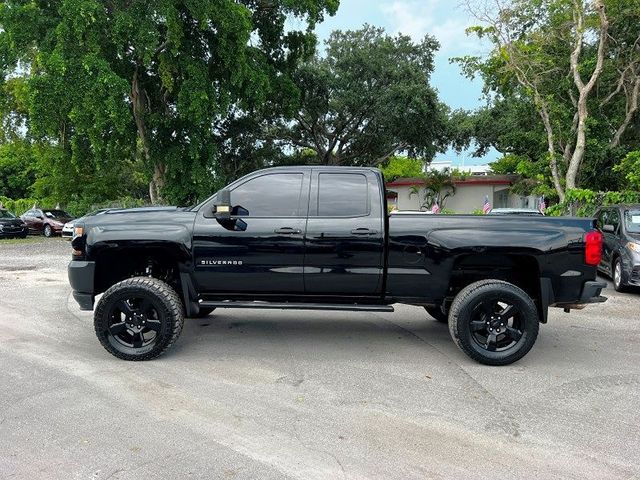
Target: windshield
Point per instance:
(6, 214)
(56, 214)
(632, 220)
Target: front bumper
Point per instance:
(12, 231)
(81, 274)
(67, 231)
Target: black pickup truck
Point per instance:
(320, 238)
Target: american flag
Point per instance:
(543, 206)
(435, 208)
(486, 208)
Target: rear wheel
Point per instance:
(437, 313)
(494, 322)
(139, 318)
(48, 231)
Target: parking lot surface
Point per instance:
(307, 395)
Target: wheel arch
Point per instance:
(166, 261)
(521, 270)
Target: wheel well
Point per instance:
(520, 270)
(116, 264)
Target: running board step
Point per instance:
(350, 307)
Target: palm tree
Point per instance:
(437, 188)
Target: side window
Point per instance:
(614, 219)
(603, 218)
(272, 195)
(342, 195)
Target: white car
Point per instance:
(67, 230)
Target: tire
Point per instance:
(48, 232)
(437, 313)
(204, 312)
(513, 322)
(617, 275)
(155, 313)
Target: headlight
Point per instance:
(633, 246)
(1, 228)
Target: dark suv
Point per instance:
(620, 225)
(10, 226)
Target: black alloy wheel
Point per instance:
(139, 318)
(494, 322)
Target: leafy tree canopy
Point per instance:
(128, 80)
(398, 166)
(366, 98)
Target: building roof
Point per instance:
(459, 182)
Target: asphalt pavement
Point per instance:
(307, 395)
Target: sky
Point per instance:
(443, 19)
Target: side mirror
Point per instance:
(222, 208)
(608, 228)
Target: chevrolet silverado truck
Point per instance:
(320, 238)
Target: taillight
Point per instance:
(593, 248)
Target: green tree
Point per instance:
(576, 63)
(438, 186)
(397, 167)
(125, 79)
(17, 169)
(366, 98)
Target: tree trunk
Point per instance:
(584, 90)
(159, 169)
(631, 109)
(551, 149)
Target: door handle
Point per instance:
(363, 231)
(287, 231)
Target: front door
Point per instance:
(345, 234)
(262, 249)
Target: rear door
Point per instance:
(345, 234)
(262, 250)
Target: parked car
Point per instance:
(320, 238)
(11, 226)
(620, 225)
(46, 221)
(515, 211)
(67, 230)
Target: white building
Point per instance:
(470, 193)
(442, 165)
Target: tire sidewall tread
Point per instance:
(471, 292)
(164, 294)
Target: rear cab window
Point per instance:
(343, 195)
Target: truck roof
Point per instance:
(317, 167)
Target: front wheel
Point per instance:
(48, 231)
(494, 322)
(139, 318)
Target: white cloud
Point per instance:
(445, 21)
